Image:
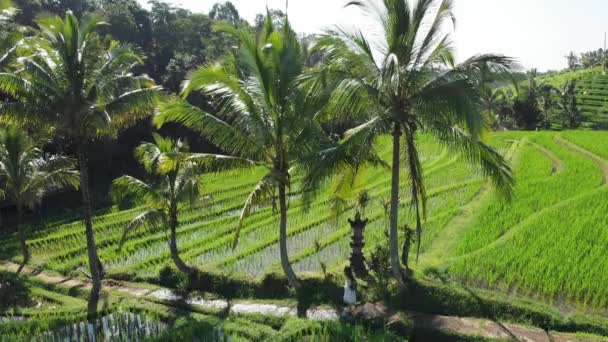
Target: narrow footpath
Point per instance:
(449, 324)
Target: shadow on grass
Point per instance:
(485, 309)
(14, 291)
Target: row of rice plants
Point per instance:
(251, 261)
(559, 255)
(213, 251)
(443, 204)
(74, 231)
(211, 224)
(218, 243)
(216, 251)
(595, 141)
(580, 174)
(137, 240)
(74, 248)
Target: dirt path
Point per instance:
(450, 324)
(490, 329)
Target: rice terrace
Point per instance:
(263, 171)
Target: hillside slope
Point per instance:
(592, 94)
(548, 243)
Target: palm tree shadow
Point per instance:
(314, 292)
(486, 311)
(105, 300)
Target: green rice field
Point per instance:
(549, 243)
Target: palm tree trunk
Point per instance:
(22, 241)
(417, 186)
(289, 273)
(95, 265)
(418, 231)
(394, 210)
(177, 260)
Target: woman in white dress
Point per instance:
(350, 287)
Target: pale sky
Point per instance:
(537, 32)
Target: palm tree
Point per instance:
(573, 60)
(571, 116)
(491, 95)
(410, 84)
(546, 94)
(263, 115)
(26, 176)
(10, 34)
(176, 186)
(491, 99)
(78, 85)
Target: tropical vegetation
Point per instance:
(27, 176)
(413, 86)
(208, 173)
(73, 84)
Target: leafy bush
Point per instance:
(299, 330)
(171, 278)
(13, 291)
(379, 266)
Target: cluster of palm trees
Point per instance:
(70, 82)
(271, 97)
(535, 104)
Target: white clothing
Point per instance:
(350, 295)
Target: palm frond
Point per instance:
(354, 152)
(188, 187)
(150, 219)
(128, 185)
(416, 180)
(133, 105)
(228, 138)
(491, 163)
(219, 162)
(14, 85)
(263, 191)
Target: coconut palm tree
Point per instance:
(26, 176)
(263, 115)
(176, 185)
(547, 94)
(407, 85)
(573, 60)
(567, 103)
(78, 85)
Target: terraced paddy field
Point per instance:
(591, 92)
(550, 243)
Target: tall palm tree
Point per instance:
(263, 115)
(573, 60)
(567, 103)
(176, 185)
(407, 85)
(547, 94)
(491, 96)
(491, 100)
(26, 176)
(78, 85)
